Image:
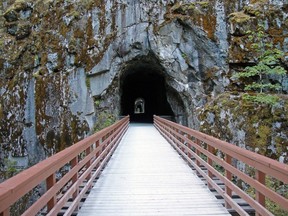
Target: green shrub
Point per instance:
(268, 63)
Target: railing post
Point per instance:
(198, 153)
(50, 182)
(228, 175)
(183, 142)
(105, 146)
(88, 164)
(189, 146)
(260, 198)
(98, 152)
(178, 133)
(109, 142)
(5, 212)
(210, 162)
(74, 163)
(96, 146)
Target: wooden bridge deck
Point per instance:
(146, 176)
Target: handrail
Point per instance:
(84, 160)
(199, 150)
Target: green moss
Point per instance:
(40, 72)
(88, 82)
(259, 1)
(97, 102)
(256, 120)
(40, 104)
(239, 17)
(280, 188)
(203, 4)
(191, 6)
(50, 139)
(10, 169)
(200, 13)
(74, 14)
(1, 111)
(281, 144)
(262, 138)
(104, 119)
(286, 22)
(253, 11)
(19, 5)
(2, 42)
(74, 129)
(65, 136)
(262, 98)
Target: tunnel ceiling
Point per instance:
(144, 79)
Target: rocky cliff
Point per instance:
(63, 62)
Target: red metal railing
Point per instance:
(199, 150)
(84, 160)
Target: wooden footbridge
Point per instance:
(144, 175)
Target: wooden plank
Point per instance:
(146, 176)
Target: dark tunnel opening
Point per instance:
(144, 93)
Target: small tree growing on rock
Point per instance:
(268, 64)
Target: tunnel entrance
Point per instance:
(143, 92)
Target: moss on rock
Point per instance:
(257, 13)
(239, 17)
(264, 126)
(200, 13)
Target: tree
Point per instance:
(268, 60)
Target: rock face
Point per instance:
(261, 128)
(64, 61)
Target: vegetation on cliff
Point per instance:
(268, 64)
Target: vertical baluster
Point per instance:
(260, 198)
(50, 182)
(228, 175)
